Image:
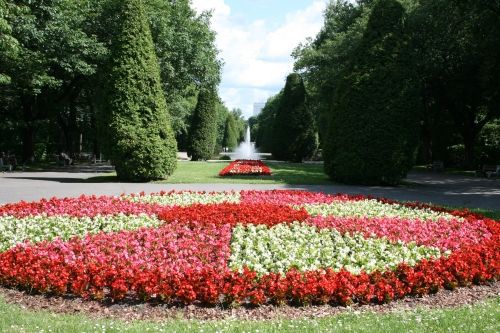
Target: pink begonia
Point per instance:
(83, 206)
(445, 234)
(281, 197)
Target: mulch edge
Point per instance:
(151, 312)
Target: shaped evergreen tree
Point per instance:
(373, 129)
(203, 131)
(294, 131)
(141, 142)
(230, 139)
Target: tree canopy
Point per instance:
(54, 59)
(454, 60)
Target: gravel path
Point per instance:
(443, 189)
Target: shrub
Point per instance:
(373, 130)
(294, 132)
(140, 141)
(203, 132)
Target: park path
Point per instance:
(443, 189)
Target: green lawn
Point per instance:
(208, 172)
(482, 317)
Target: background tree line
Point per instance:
(55, 60)
(421, 73)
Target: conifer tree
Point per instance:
(203, 131)
(373, 129)
(294, 135)
(140, 141)
(230, 139)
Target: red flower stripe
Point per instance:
(72, 268)
(268, 214)
(117, 261)
(246, 167)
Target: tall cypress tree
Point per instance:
(203, 131)
(230, 139)
(294, 131)
(141, 142)
(373, 130)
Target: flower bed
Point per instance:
(249, 247)
(246, 168)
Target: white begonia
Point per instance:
(185, 198)
(373, 208)
(281, 247)
(42, 227)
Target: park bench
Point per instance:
(437, 166)
(5, 167)
(489, 170)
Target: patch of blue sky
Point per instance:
(273, 12)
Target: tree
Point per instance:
(54, 57)
(373, 129)
(323, 60)
(230, 139)
(457, 44)
(141, 141)
(294, 130)
(203, 131)
(8, 44)
(265, 121)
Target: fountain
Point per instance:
(246, 150)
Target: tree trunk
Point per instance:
(28, 133)
(469, 133)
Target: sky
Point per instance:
(255, 39)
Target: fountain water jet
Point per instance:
(246, 150)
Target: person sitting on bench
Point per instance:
(3, 167)
(67, 160)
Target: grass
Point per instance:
(481, 317)
(208, 172)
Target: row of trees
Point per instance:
(60, 71)
(286, 125)
(393, 81)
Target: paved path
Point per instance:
(426, 187)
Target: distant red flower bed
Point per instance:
(246, 167)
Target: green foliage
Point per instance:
(230, 139)
(241, 124)
(203, 132)
(457, 51)
(8, 44)
(323, 60)
(294, 136)
(489, 143)
(185, 46)
(56, 53)
(373, 130)
(222, 113)
(141, 141)
(265, 123)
